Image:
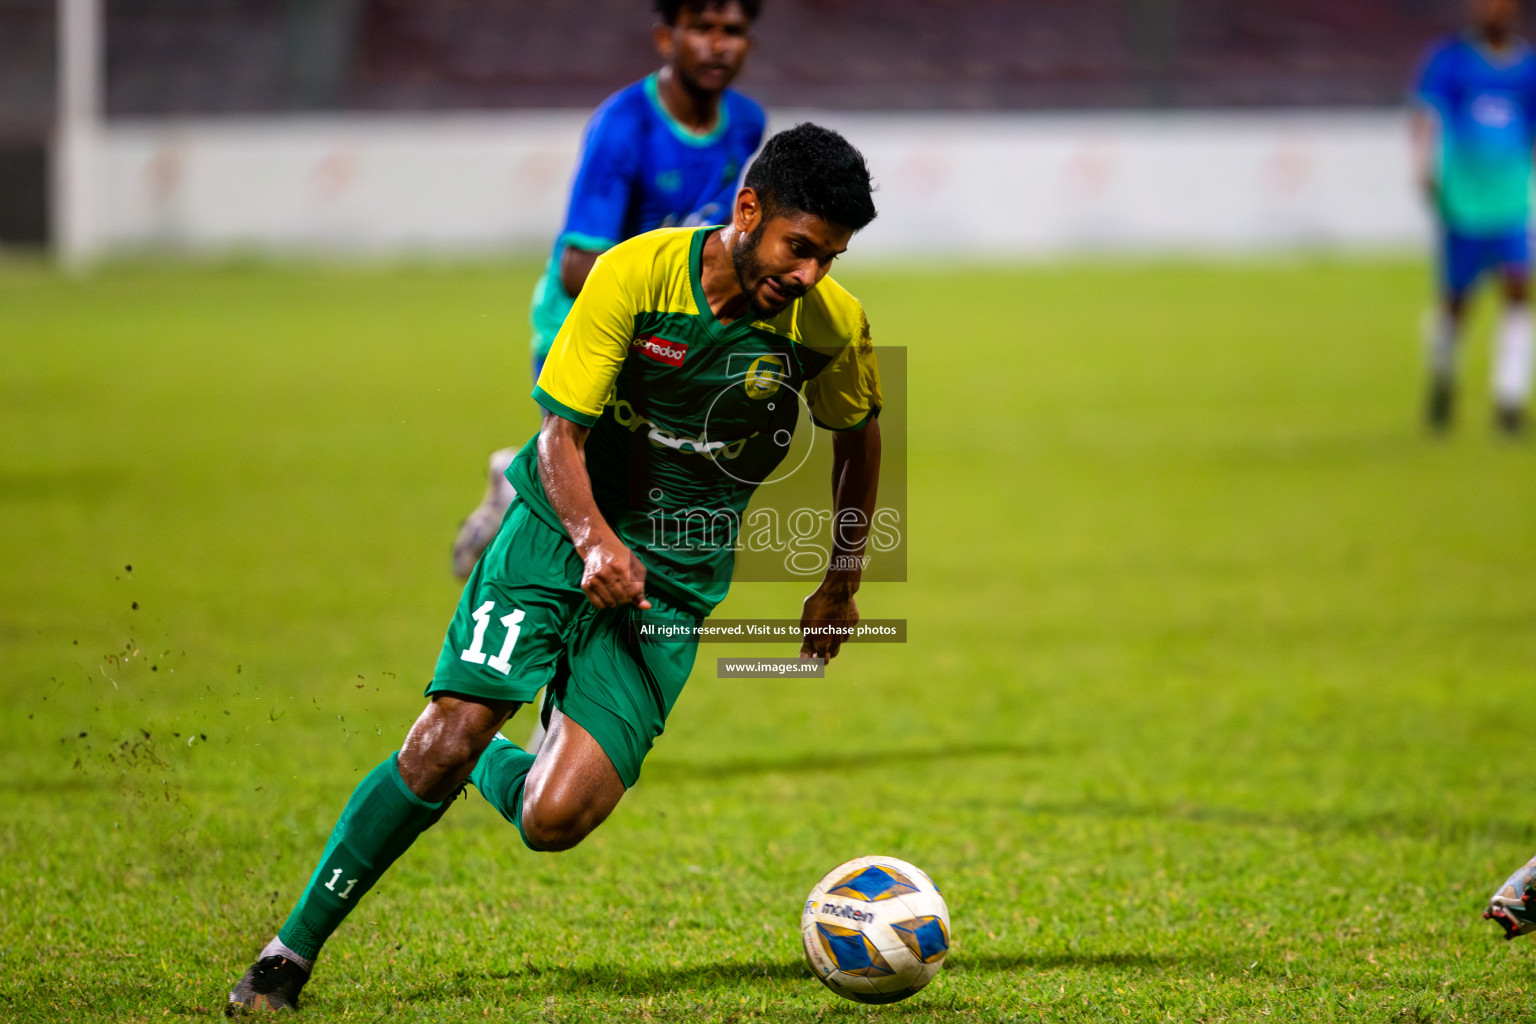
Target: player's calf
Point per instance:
(394, 803)
(447, 739)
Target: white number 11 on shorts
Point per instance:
(476, 651)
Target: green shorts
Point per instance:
(524, 623)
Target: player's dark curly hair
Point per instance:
(668, 10)
(811, 169)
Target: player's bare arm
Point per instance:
(1423, 131)
(613, 575)
(855, 483)
(575, 265)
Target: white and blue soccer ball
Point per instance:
(875, 929)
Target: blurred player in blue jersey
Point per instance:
(1473, 131)
(666, 151)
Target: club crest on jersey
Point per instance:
(662, 350)
(764, 376)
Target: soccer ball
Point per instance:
(875, 929)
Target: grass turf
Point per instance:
(1214, 705)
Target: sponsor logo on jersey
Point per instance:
(1494, 110)
(662, 350)
(626, 415)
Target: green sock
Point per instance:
(500, 775)
(380, 822)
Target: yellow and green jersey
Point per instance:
(688, 415)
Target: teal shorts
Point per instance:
(524, 623)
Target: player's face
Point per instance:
(781, 258)
(707, 48)
(1496, 16)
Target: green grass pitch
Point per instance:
(1217, 703)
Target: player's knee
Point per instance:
(452, 755)
(443, 761)
(552, 825)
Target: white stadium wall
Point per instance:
(952, 184)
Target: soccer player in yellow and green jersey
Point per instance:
(672, 390)
(667, 151)
(688, 414)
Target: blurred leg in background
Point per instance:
(1513, 356)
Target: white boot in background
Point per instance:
(479, 528)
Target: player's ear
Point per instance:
(749, 210)
(661, 38)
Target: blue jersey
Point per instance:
(1486, 105)
(641, 170)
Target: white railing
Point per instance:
(950, 184)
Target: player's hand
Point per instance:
(827, 607)
(612, 575)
